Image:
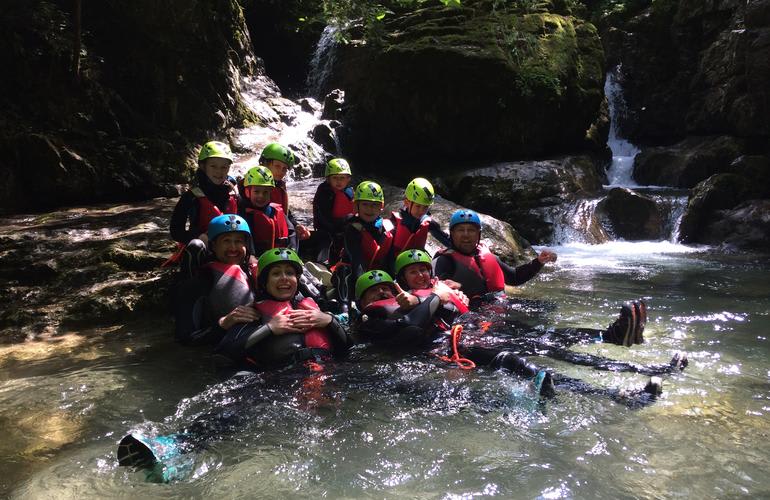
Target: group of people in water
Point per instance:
(245, 290)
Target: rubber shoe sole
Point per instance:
(654, 387)
(640, 308)
(679, 361)
(630, 331)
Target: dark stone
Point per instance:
(333, 103)
(746, 227)
(323, 134)
(631, 216)
(718, 192)
(686, 163)
(310, 105)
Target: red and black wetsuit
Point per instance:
(368, 245)
(196, 208)
(410, 232)
(253, 345)
(482, 272)
(331, 210)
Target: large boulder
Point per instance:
(718, 192)
(688, 162)
(746, 226)
(630, 215)
(515, 191)
(470, 83)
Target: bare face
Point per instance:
(417, 276)
(377, 292)
(278, 169)
(416, 210)
(281, 281)
(368, 211)
(259, 195)
(230, 248)
(465, 237)
(216, 169)
(339, 181)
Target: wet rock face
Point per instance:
(513, 192)
(465, 83)
(746, 226)
(81, 266)
(716, 199)
(150, 87)
(695, 68)
(688, 162)
(630, 216)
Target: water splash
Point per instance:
(623, 152)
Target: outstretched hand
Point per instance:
(404, 299)
(546, 256)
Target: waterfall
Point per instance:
(322, 62)
(623, 152)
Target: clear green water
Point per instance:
(382, 427)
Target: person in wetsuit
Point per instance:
(412, 319)
(473, 266)
(212, 194)
(270, 228)
(279, 159)
(291, 329)
(220, 293)
(367, 240)
(332, 206)
(412, 223)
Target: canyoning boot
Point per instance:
(679, 361)
(542, 384)
(622, 331)
(654, 387)
(640, 308)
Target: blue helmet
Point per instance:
(227, 223)
(463, 216)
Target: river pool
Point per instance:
(379, 426)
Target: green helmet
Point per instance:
(369, 191)
(215, 149)
(369, 279)
(276, 255)
(420, 191)
(408, 257)
(259, 176)
(275, 151)
(337, 166)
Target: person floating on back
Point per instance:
(332, 206)
(412, 223)
(212, 195)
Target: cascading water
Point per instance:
(623, 152)
(322, 61)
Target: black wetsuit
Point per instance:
(328, 236)
(445, 267)
(184, 218)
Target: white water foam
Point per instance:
(623, 152)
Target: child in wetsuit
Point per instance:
(412, 223)
(212, 194)
(332, 206)
(279, 159)
(270, 228)
(367, 240)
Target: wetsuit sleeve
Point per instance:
(353, 249)
(435, 230)
(186, 209)
(443, 267)
(323, 202)
(521, 274)
(293, 243)
(399, 329)
(338, 336)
